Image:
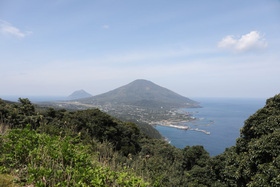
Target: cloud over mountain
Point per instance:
(247, 42)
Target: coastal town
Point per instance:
(174, 118)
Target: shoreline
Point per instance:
(173, 124)
(184, 128)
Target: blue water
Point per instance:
(228, 116)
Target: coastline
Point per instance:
(228, 116)
(177, 125)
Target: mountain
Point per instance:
(140, 101)
(142, 93)
(79, 94)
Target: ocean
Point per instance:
(225, 115)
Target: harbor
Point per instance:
(181, 125)
(167, 123)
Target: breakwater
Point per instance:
(200, 130)
(181, 125)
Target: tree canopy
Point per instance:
(120, 146)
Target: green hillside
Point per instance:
(91, 148)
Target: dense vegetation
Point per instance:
(57, 161)
(91, 148)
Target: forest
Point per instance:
(50, 147)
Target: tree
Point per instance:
(195, 155)
(26, 107)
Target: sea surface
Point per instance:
(226, 114)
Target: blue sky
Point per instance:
(197, 48)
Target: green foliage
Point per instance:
(26, 107)
(264, 121)
(91, 148)
(93, 123)
(161, 162)
(195, 155)
(57, 161)
(18, 115)
(147, 129)
(254, 161)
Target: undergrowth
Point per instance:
(44, 160)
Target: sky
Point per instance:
(197, 48)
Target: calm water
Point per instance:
(228, 116)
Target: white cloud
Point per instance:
(247, 42)
(7, 29)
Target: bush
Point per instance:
(46, 160)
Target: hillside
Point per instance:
(142, 93)
(89, 147)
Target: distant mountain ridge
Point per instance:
(79, 94)
(142, 93)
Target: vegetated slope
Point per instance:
(253, 161)
(79, 94)
(91, 123)
(58, 145)
(143, 93)
(43, 160)
(62, 148)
